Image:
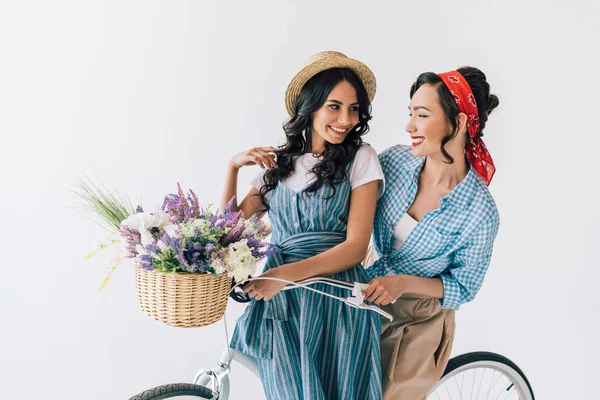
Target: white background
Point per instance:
(143, 94)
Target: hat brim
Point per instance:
(337, 61)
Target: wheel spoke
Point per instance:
(480, 383)
(482, 376)
(509, 391)
(473, 383)
(447, 391)
(458, 387)
(494, 385)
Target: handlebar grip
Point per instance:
(364, 286)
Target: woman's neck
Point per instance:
(317, 146)
(439, 173)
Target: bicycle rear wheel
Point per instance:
(482, 375)
(179, 391)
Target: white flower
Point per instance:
(143, 222)
(217, 264)
(252, 227)
(189, 229)
(147, 220)
(140, 250)
(171, 230)
(162, 246)
(146, 237)
(239, 260)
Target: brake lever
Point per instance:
(378, 311)
(349, 301)
(360, 288)
(358, 297)
(238, 295)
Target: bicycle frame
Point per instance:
(217, 379)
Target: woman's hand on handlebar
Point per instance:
(264, 289)
(385, 290)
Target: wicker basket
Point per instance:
(182, 299)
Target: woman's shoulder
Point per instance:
(398, 154)
(366, 168)
(483, 202)
(366, 151)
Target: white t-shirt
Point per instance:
(366, 168)
(403, 229)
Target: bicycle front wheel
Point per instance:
(178, 391)
(482, 375)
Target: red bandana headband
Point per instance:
(476, 152)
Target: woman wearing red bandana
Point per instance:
(434, 229)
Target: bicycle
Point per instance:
(487, 375)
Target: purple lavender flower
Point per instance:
(253, 242)
(146, 262)
(226, 220)
(271, 251)
(132, 239)
(181, 210)
(175, 244)
(139, 209)
(228, 206)
(192, 253)
(170, 198)
(196, 253)
(234, 235)
(152, 249)
(213, 220)
(256, 247)
(193, 199)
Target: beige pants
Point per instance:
(415, 347)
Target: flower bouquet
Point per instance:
(185, 256)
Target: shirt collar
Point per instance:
(414, 164)
(463, 193)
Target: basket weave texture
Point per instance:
(180, 299)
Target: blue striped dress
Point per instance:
(309, 346)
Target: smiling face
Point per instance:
(427, 125)
(337, 116)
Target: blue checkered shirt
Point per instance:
(453, 242)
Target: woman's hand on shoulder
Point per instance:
(264, 157)
(385, 290)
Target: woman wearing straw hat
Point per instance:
(434, 227)
(320, 191)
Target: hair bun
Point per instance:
(493, 102)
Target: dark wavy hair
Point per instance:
(331, 169)
(486, 102)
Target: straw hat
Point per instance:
(320, 62)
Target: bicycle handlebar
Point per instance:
(356, 299)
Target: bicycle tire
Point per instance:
(480, 358)
(174, 389)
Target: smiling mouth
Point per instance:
(339, 131)
(417, 140)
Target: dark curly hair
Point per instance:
(331, 169)
(486, 102)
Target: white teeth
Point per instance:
(418, 140)
(338, 130)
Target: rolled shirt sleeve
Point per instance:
(463, 279)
